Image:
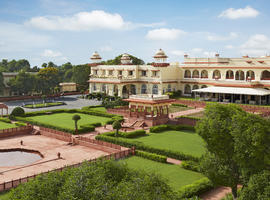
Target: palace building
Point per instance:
(237, 80)
(128, 79)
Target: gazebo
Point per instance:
(2, 107)
(151, 109)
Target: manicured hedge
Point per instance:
(18, 111)
(89, 107)
(190, 165)
(196, 188)
(140, 146)
(166, 127)
(151, 156)
(133, 134)
(5, 120)
(179, 105)
(20, 124)
(189, 117)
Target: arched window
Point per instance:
(239, 75)
(265, 75)
(250, 75)
(204, 86)
(187, 74)
(229, 74)
(187, 89)
(195, 74)
(169, 88)
(155, 89)
(204, 74)
(143, 89)
(195, 87)
(216, 74)
(104, 88)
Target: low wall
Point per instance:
(14, 183)
(10, 132)
(56, 134)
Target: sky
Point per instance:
(71, 30)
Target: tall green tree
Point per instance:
(235, 142)
(117, 61)
(2, 86)
(80, 76)
(48, 79)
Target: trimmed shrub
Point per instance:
(196, 188)
(166, 127)
(151, 156)
(189, 117)
(89, 107)
(141, 146)
(179, 105)
(96, 124)
(86, 129)
(133, 134)
(18, 111)
(5, 120)
(190, 165)
(20, 124)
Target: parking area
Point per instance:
(72, 102)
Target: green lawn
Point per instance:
(182, 141)
(4, 195)
(4, 125)
(101, 109)
(176, 176)
(64, 120)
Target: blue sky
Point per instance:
(71, 30)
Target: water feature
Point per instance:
(15, 157)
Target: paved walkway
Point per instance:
(216, 193)
(186, 112)
(174, 161)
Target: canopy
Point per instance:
(234, 90)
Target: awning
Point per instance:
(234, 90)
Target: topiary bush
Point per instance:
(166, 127)
(151, 156)
(133, 134)
(190, 165)
(18, 111)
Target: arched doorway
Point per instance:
(187, 74)
(229, 74)
(265, 75)
(216, 74)
(129, 89)
(187, 89)
(240, 75)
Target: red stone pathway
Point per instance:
(216, 193)
(186, 112)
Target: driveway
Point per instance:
(72, 103)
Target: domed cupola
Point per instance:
(125, 59)
(95, 57)
(160, 56)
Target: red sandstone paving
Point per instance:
(49, 147)
(216, 194)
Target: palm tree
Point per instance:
(116, 125)
(76, 118)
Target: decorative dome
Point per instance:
(125, 59)
(95, 57)
(160, 54)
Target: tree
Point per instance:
(24, 83)
(258, 187)
(76, 118)
(81, 76)
(48, 79)
(2, 86)
(116, 125)
(117, 61)
(237, 145)
(220, 163)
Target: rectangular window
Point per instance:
(155, 73)
(120, 73)
(110, 72)
(95, 72)
(130, 73)
(144, 73)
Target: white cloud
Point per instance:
(247, 12)
(164, 34)
(51, 54)
(86, 21)
(17, 38)
(215, 37)
(106, 48)
(256, 45)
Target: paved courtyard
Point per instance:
(71, 101)
(48, 147)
